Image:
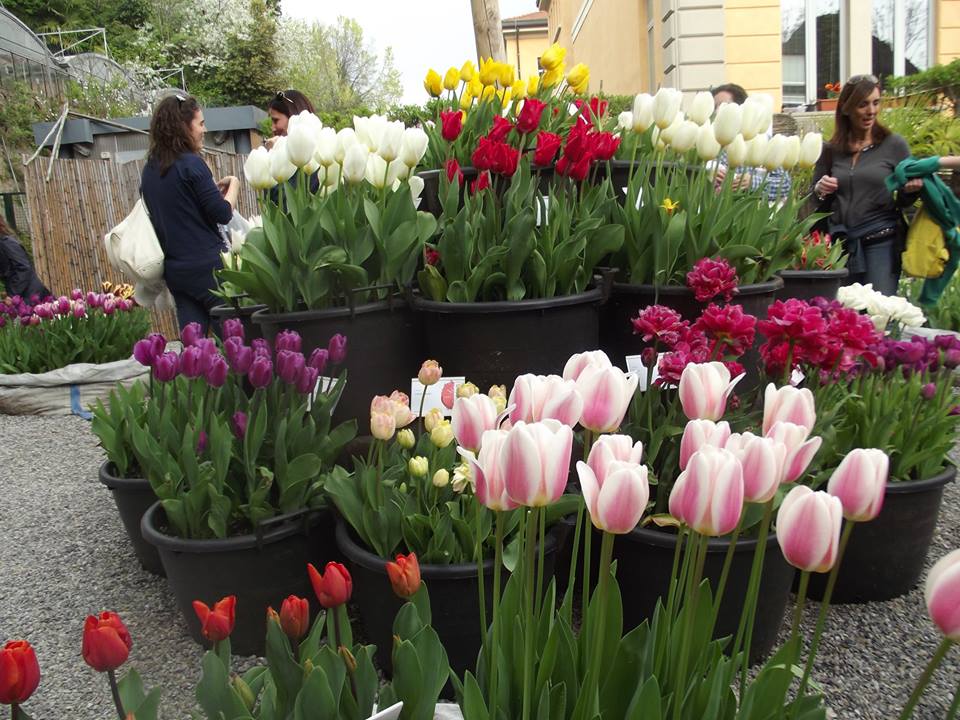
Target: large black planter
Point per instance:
(808, 284)
(245, 312)
(430, 196)
(454, 599)
(885, 557)
(494, 342)
(626, 300)
(133, 496)
(383, 347)
(260, 569)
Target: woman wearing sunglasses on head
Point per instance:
(848, 182)
(284, 105)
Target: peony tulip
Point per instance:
(281, 168)
(704, 389)
(355, 164)
(406, 439)
(256, 169)
(762, 460)
(442, 434)
(808, 529)
(800, 450)
(418, 466)
(726, 125)
(613, 448)
(699, 433)
(333, 587)
(701, 107)
(106, 642)
(617, 501)
(294, 617)
(302, 131)
(430, 373)
(707, 146)
(708, 495)
(666, 105)
(684, 137)
(860, 482)
(576, 364)
(472, 417)
(810, 148)
(535, 462)
(776, 153)
(487, 471)
(382, 425)
(606, 394)
(216, 623)
(542, 397)
(642, 112)
(404, 575)
(942, 595)
(788, 404)
(19, 673)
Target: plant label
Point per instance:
(430, 395)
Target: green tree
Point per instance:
(248, 75)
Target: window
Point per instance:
(900, 36)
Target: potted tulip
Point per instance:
(817, 270)
(236, 303)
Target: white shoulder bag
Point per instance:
(134, 250)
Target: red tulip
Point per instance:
(295, 617)
(454, 171)
(19, 672)
(547, 146)
(451, 123)
(217, 623)
(106, 642)
(405, 575)
(333, 587)
(529, 117)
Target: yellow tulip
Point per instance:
(488, 92)
(579, 77)
(519, 90)
(467, 71)
(507, 75)
(451, 79)
(466, 100)
(533, 84)
(504, 96)
(432, 83)
(475, 87)
(489, 71)
(553, 77)
(553, 57)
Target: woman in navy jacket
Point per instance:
(186, 205)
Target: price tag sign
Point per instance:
(635, 365)
(430, 395)
(323, 385)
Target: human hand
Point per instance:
(912, 186)
(270, 142)
(826, 185)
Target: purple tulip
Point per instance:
(43, 311)
(3, 321)
(289, 365)
(307, 380)
(79, 309)
(76, 294)
(63, 305)
(928, 391)
(337, 348)
(109, 306)
(144, 353)
(216, 373)
(232, 327)
(261, 348)
(287, 340)
(239, 355)
(34, 299)
(126, 304)
(192, 362)
(158, 343)
(951, 358)
(209, 350)
(201, 442)
(166, 367)
(239, 423)
(318, 359)
(261, 372)
(191, 333)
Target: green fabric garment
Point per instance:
(943, 207)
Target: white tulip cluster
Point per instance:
(882, 309)
(375, 149)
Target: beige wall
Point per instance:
(524, 50)
(947, 33)
(752, 46)
(612, 41)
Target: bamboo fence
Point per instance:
(82, 201)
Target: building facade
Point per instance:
(525, 37)
(787, 48)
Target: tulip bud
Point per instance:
(166, 367)
(736, 151)
(441, 478)
(792, 156)
(391, 142)
(642, 112)
(788, 404)
(606, 394)
(776, 153)
(295, 617)
(451, 79)
(216, 374)
(467, 389)
(666, 105)
(701, 107)
(860, 482)
(707, 146)
(216, 623)
(433, 418)
(406, 439)
(553, 57)
(326, 152)
(301, 137)
(942, 595)
(355, 164)
(800, 450)
(244, 691)
(19, 672)
(726, 125)
(625, 121)
(106, 642)
(472, 416)
(750, 115)
(433, 84)
(333, 587)
(346, 138)
(337, 348)
(281, 168)
(404, 575)
(699, 433)
(467, 71)
(617, 501)
(414, 146)
(808, 529)
(810, 148)
(708, 495)
(684, 137)
(382, 425)
(762, 460)
(704, 390)
(578, 362)
(442, 434)
(256, 169)
(261, 372)
(756, 150)
(535, 462)
(539, 397)
(430, 373)
(418, 466)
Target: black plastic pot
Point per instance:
(430, 196)
(808, 284)
(885, 557)
(133, 496)
(383, 347)
(245, 312)
(494, 342)
(454, 599)
(260, 569)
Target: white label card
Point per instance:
(635, 365)
(323, 385)
(431, 394)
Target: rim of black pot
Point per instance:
(815, 274)
(285, 525)
(226, 310)
(349, 544)
(108, 476)
(264, 316)
(905, 487)
(773, 284)
(666, 539)
(418, 302)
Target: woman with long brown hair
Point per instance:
(16, 270)
(284, 105)
(185, 206)
(848, 182)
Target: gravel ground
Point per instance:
(64, 554)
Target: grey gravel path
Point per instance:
(64, 554)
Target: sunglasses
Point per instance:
(281, 95)
(856, 79)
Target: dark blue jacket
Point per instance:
(186, 206)
(16, 270)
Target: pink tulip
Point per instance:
(613, 448)
(808, 529)
(543, 397)
(576, 363)
(704, 389)
(860, 482)
(800, 450)
(788, 404)
(698, 433)
(535, 462)
(606, 393)
(762, 460)
(708, 495)
(402, 414)
(942, 593)
(382, 425)
(487, 472)
(472, 417)
(616, 502)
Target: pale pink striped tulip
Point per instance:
(860, 482)
(698, 433)
(612, 448)
(788, 404)
(606, 392)
(808, 529)
(535, 462)
(942, 593)
(545, 397)
(800, 450)
(576, 363)
(762, 460)
(616, 502)
(472, 416)
(487, 473)
(704, 389)
(708, 495)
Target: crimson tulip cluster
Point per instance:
(711, 278)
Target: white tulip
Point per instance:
(376, 171)
(707, 146)
(355, 164)
(302, 132)
(280, 166)
(625, 120)
(331, 175)
(684, 137)
(399, 170)
(762, 108)
(391, 140)
(737, 152)
(701, 107)
(751, 114)
(642, 112)
(726, 125)
(666, 134)
(666, 105)
(311, 167)
(793, 152)
(361, 126)
(776, 152)
(257, 169)
(346, 138)
(414, 146)
(416, 187)
(326, 152)
(757, 150)
(810, 149)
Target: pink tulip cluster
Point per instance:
(78, 305)
(389, 413)
(605, 389)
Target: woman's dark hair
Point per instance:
(738, 94)
(855, 90)
(290, 102)
(169, 130)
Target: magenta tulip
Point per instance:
(307, 382)
(544, 397)
(318, 359)
(233, 327)
(800, 450)
(166, 367)
(76, 294)
(616, 502)
(472, 417)
(239, 424)
(613, 448)
(63, 305)
(860, 482)
(79, 309)
(192, 362)
(143, 352)
(109, 306)
(535, 462)
(708, 495)
(762, 460)
(287, 340)
(190, 333)
(337, 347)
(808, 529)
(488, 479)
(261, 348)
(698, 433)
(290, 364)
(238, 355)
(606, 393)
(788, 404)
(576, 363)
(942, 594)
(704, 390)
(216, 373)
(261, 372)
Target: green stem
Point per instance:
(115, 691)
(572, 575)
(606, 553)
(540, 553)
(585, 589)
(925, 678)
(955, 705)
(753, 590)
(529, 628)
(798, 610)
(494, 646)
(481, 583)
(675, 579)
(699, 545)
(725, 573)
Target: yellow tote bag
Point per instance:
(926, 252)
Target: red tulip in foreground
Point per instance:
(106, 642)
(404, 575)
(295, 617)
(860, 483)
(333, 587)
(216, 623)
(19, 672)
